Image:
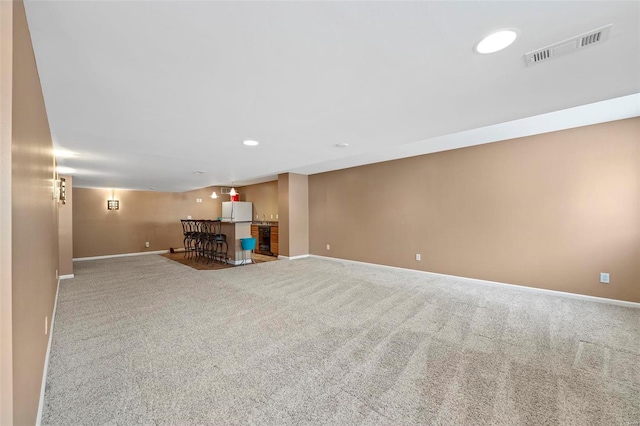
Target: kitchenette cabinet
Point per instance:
(274, 240)
(254, 234)
(266, 235)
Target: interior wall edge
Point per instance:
(34, 224)
(6, 312)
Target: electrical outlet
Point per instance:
(188, 217)
(146, 244)
(328, 247)
(418, 256)
(257, 216)
(46, 325)
(604, 277)
(57, 274)
(276, 216)
(271, 216)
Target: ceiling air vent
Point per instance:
(590, 39)
(568, 46)
(541, 55)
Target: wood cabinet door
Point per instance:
(255, 234)
(274, 240)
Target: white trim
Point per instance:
(66, 277)
(302, 256)
(496, 284)
(46, 358)
(120, 255)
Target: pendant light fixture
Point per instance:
(233, 192)
(214, 195)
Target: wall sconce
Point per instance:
(63, 190)
(113, 205)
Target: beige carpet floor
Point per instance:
(144, 340)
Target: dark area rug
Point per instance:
(208, 265)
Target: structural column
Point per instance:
(293, 210)
(65, 232)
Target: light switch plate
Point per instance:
(604, 278)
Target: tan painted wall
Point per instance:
(65, 231)
(293, 205)
(264, 197)
(6, 341)
(283, 209)
(34, 225)
(550, 211)
(298, 214)
(143, 216)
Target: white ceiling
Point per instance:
(145, 93)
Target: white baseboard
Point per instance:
(66, 277)
(46, 358)
(496, 284)
(141, 253)
(302, 256)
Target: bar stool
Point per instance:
(186, 231)
(201, 237)
(190, 236)
(247, 244)
(218, 240)
(221, 247)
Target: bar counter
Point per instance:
(235, 231)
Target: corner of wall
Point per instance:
(298, 215)
(283, 209)
(6, 313)
(65, 230)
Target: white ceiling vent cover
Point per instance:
(597, 36)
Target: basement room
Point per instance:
(319, 213)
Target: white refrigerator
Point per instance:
(237, 211)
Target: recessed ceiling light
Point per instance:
(496, 41)
(199, 172)
(65, 170)
(342, 145)
(251, 143)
